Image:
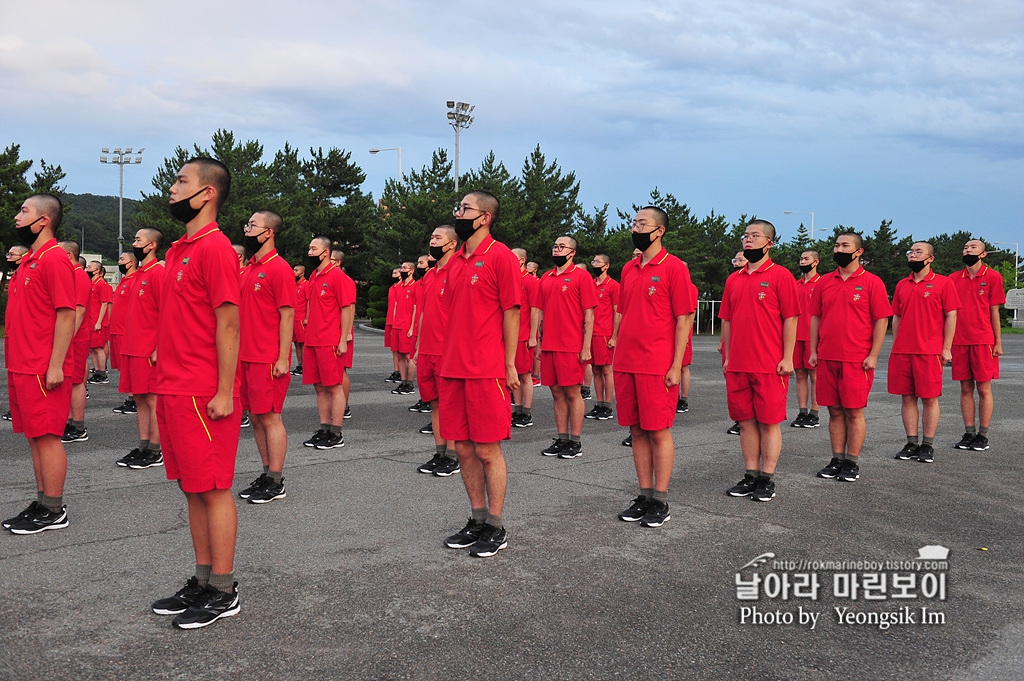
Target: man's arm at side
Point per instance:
(221, 404)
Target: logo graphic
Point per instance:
(181, 272)
(651, 291)
(257, 287)
(478, 264)
(933, 552)
(858, 288)
(184, 261)
(759, 561)
(655, 278)
(262, 275)
(856, 296)
(760, 295)
(473, 279)
(564, 288)
(765, 284)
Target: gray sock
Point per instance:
(770, 476)
(928, 441)
(276, 476)
(983, 431)
(39, 497)
(912, 439)
(528, 411)
(479, 514)
(440, 449)
(574, 438)
(853, 457)
(803, 410)
(452, 454)
(154, 447)
(53, 504)
(335, 430)
(266, 469)
(518, 409)
(78, 425)
(225, 582)
(203, 573)
(494, 521)
(563, 436)
(839, 455)
(752, 472)
(661, 496)
(647, 493)
(970, 430)
(326, 427)
(813, 412)
(143, 445)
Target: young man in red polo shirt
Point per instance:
(657, 315)
(40, 323)
(526, 347)
(924, 319)
(76, 430)
(478, 368)
(14, 255)
(806, 375)
(683, 405)
(100, 296)
(739, 261)
(422, 265)
(759, 313)
(138, 370)
(338, 258)
(566, 302)
(199, 412)
(402, 340)
(328, 348)
(850, 312)
(266, 316)
(298, 329)
(389, 321)
(127, 264)
(433, 319)
(977, 342)
(606, 331)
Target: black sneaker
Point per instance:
(427, 429)
(926, 454)
(606, 413)
(7, 416)
(830, 471)
(395, 377)
(467, 536)
(849, 472)
(571, 450)
(399, 389)
(434, 462)
(348, 412)
(798, 422)
(734, 429)
(492, 540)
(744, 487)
(636, 510)
(447, 468)
(121, 408)
(909, 451)
(269, 492)
(127, 459)
(979, 443)
(811, 421)
(585, 392)
(98, 378)
(425, 407)
(182, 600)
(148, 459)
(592, 414)
(332, 441)
(87, 392)
(130, 407)
(628, 442)
(297, 371)
(682, 406)
(524, 421)
(557, 446)
(43, 519)
(75, 435)
(409, 388)
(416, 407)
(317, 437)
(765, 490)
(245, 421)
(965, 441)
(657, 514)
(254, 486)
(29, 512)
(209, 608)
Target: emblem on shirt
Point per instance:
(257, 287)
(564, 288)
(856, 297)
(760, 295)
(765, 284)
(262, 275)
(858, 288)
(655, 278)
(984, 283)
(322, 291)
(473, 279)
(32, 266)
(651, 291)
(181, 273)
(927, 293)
(567, 279)
(478, 264)
(184, 261)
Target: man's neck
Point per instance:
(205, 217)
(754, 266)
(811, 275)
(150, 258)
(478, 238)
(975, 268)
(849, 270)
(563, 268)
(919, 276)
(602, 277)
(264, 251)
(651, 251)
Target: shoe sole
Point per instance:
(574, 455)
(445, 475)
(459, 546)
(828, 476)
(347, 416)
(77, 439)
(426, 432)
(629, 519)
(488, 554)
(732, 432)
(282, 495)
(550, 453)
(979, 449)
(963, 447)
(425, 470)
(199, 625)
(926, 460)
(53, 526)
(763, 498)
(739, 494)
(164, 611)
(523, 425)
(659, 524)
(137, 467)
(900, 457)
(840, 478)
(337, 446)
(606, 418)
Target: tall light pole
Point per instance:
(399, 150)
(801, 212)
(121, 158)
(460, 118)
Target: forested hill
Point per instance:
(98, 216)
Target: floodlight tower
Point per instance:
(460, 118)
(122, 158)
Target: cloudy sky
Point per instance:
(857, 111)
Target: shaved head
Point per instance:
(50, 206)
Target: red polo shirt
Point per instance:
(392, 304)
(607, 297)
(434, 300)
(43, 283)
(921, 307)
(483, 286)
(100, 293)
(528, 299)
(301, 298)
(348, 289)
(143, 317)
(405, 299)
(83, 289)
(651, 298)
(977, 296)
(848, 311)
(327, 296)
(119, 306)
(563, 299)
(756, 304)
(201, 275)
(805, 289)
(267, 285)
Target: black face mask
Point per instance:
(122, 268)
(842, 259)
(182, 211)
(560, 260)
(916, 265)
(298, 278)
(313, 261)
(140, 253)
(396, 279)
(437, 252)
(26, 235)
(642, 240)
(970, 259)
(806, 268)
(252, 243)
(598, 273)
(754, 255)
(464, 228)
(418, 273)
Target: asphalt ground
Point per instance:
(348, 577)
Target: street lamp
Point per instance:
(459, 118)
(399, 150)
(122, 158)
(801, 212)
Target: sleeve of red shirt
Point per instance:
(950, 299)
(106, 293)
(814, 304)
(789, 297)
(725, 311)
(627, 272)
(614, 290)
(897, 299)
(284, 287)
(694, 294)
(588, 292)
(348, 291)
(60, 281)
(879, 300)
(221, 277)
(507, 280)
(682, 301)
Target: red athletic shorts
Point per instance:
(36, 411)
(974, 363)
(138, 376)
(401, 342)
(97, 339)
(115, 350)
(917, 375)
(80, 357)
(298, 333)
(198, 451)
(560, 368)
(426, 376)
(476, 409)
(600, 351)
(261, 393)
(688, 352)
(320, 364)
(350, 352)
(843, 384)
(389, 333)
(524, 358)
(801, 354)
(756, 396)
(643, 400)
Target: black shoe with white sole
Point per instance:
(209, 608)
